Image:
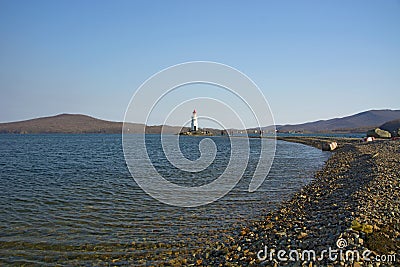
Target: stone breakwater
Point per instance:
(318, 141)
(355, 199)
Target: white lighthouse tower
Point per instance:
(195, 126)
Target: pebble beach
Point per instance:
(351, 205)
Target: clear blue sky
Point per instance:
(312, 59)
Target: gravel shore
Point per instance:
(352, 205)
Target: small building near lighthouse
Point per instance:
(194, 126)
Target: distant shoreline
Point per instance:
(79, 123)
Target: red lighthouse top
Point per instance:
(194, 111)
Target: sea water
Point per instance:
(70, 199)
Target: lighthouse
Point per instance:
(195, 126)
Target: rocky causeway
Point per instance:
(350, 209)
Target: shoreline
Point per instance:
(355, 197)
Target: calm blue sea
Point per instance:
(70, 199)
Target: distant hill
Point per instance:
(76, 123)
(63, 123)
(359, 122)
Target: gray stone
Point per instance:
(379, 133)
(329, 146)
